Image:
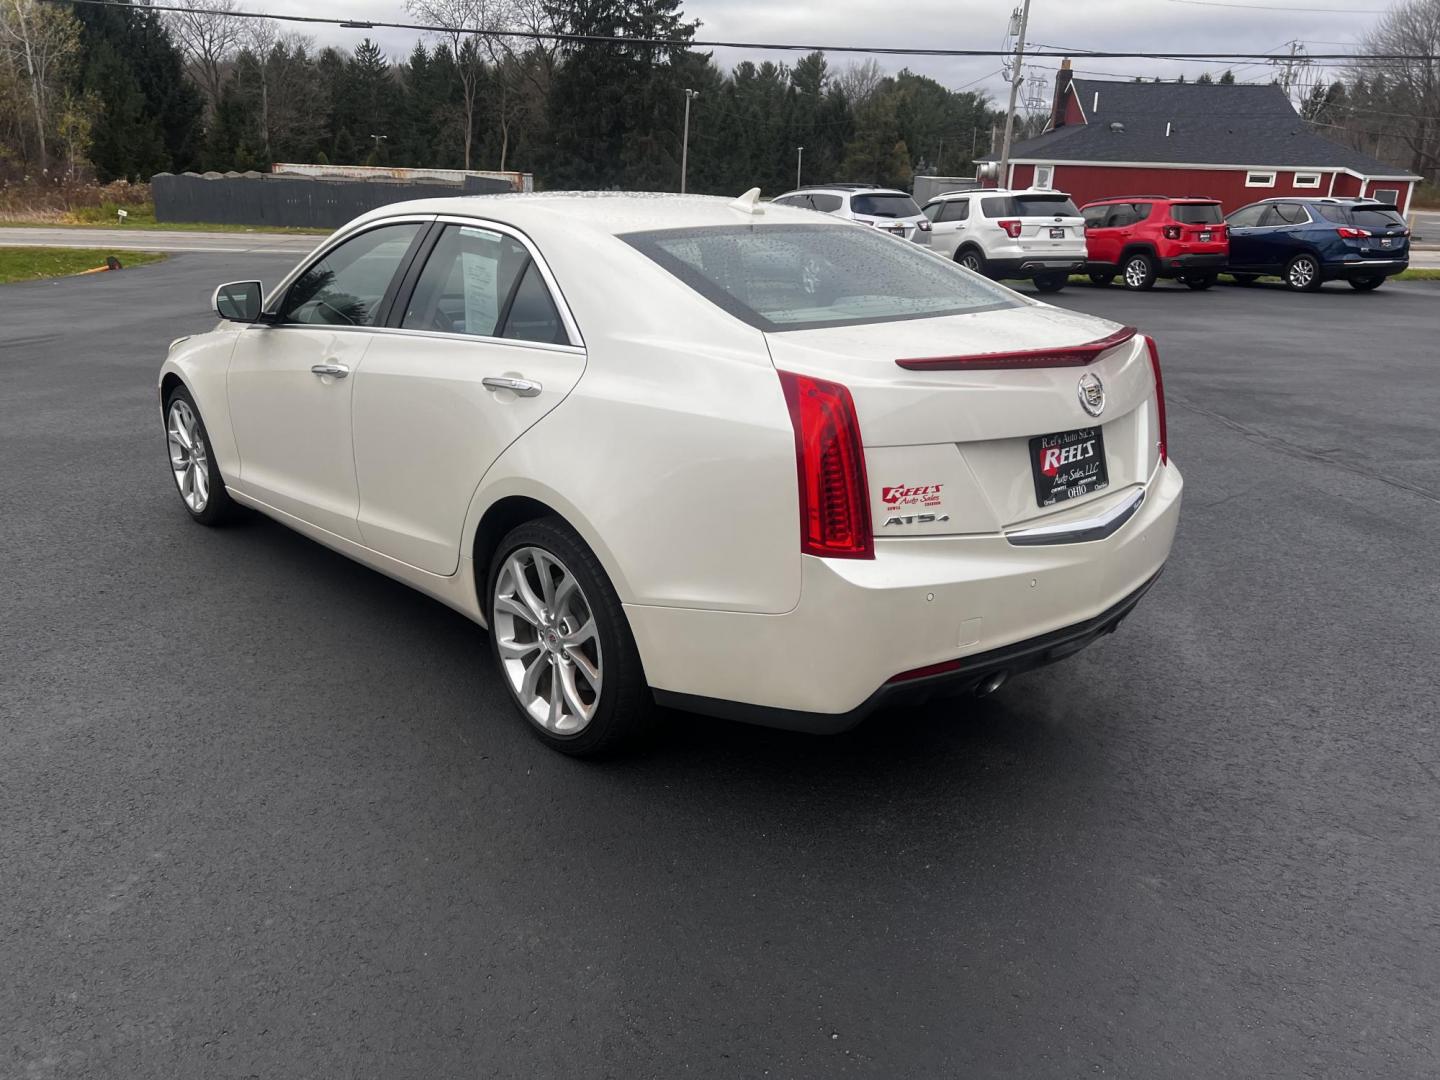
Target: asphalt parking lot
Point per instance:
(266, 813)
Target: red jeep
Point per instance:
(1144, 237)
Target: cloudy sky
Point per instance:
(1142, 25)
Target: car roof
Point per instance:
(966, 192)
(612, 212)
(1335, 200)
(1157, 198)
(843, 189)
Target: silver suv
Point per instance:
(1035, 233)
(886, 209)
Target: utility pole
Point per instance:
(685, 141)
(1014, 92)
(799, 156)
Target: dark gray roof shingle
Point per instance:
(1210, 124)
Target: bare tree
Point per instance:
(40, 40)
(209, 35)
(467, 29)
(1401, 98)
(859, 81)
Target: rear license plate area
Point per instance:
(1204, 237)
(1068, 464)
(1057, 232)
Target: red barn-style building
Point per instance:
(1235, 143)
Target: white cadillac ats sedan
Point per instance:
(737, 459)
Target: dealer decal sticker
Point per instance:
(917, 495)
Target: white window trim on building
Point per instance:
(1307, 180)
(1259, 179)
(1044, 176)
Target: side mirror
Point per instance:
(239, 301)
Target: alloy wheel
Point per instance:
(189, 461)
(1136, 272)
(970, 261)
(548, 641)
(1302, 273)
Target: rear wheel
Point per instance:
(1303, 273)
(192, 465)
(1245, 279)
(971, 259)
(1139, 271)
(1102, 280)
(562, 642)
(1051, 282)
(1199, 282)
(1366, 284)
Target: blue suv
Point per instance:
(1311, 241)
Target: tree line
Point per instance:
(124, 92)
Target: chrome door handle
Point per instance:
(520, 387)
(339, 371)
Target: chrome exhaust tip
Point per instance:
(990, 684)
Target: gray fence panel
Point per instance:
(260, 200)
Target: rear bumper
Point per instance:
(1029, 266)
(1181, 264)
(1364, 268)
(985, 601)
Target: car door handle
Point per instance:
(520, 387)
(339, 371)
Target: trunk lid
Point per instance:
(949, 451)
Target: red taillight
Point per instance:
(1172, 232)
(830, 464)
(923, 224)
(1349, 232)
(1163, 443)
(1012, 228)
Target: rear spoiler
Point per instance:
(1065, 356)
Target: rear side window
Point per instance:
(827, 204)
(1006, 206)
(801, 277)
(884, 205)
(1196, 213)
(802, 201)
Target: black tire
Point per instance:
(1367, 284)
(218, 507)
(624, 708)
(1051, 282)
(1199, 282)
(1302, 273)
(1102, 280)
(972, 259)
(1245, 279)
(1138, 272)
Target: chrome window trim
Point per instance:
(1096, 527)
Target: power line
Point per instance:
(1283, 7)
(676, 43)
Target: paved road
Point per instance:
(265, 813)
(256, 243)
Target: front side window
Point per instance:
(1248, 217)
(1095, 216)
(1120, 216)
(956, 210)
(1008, 206)
(483, 283)
(933, 211)
(884, 205)
(801, 277)
(1291, 214)
(1196, 213)
(346, 286)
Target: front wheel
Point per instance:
(1303, 273)
(1050, 282)
(1199, 282)
(1366, 284)
(562, 642)
(971, 260)
(192, 464)
(1139, 272)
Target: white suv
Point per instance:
(887, 209)
(1035, 233)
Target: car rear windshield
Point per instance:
(1008, 206)
(1196, 213)
(891, 206)
(800, 277)
(1375, 217)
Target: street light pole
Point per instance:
(685, 141)
(1004, 178)
(799, 157)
